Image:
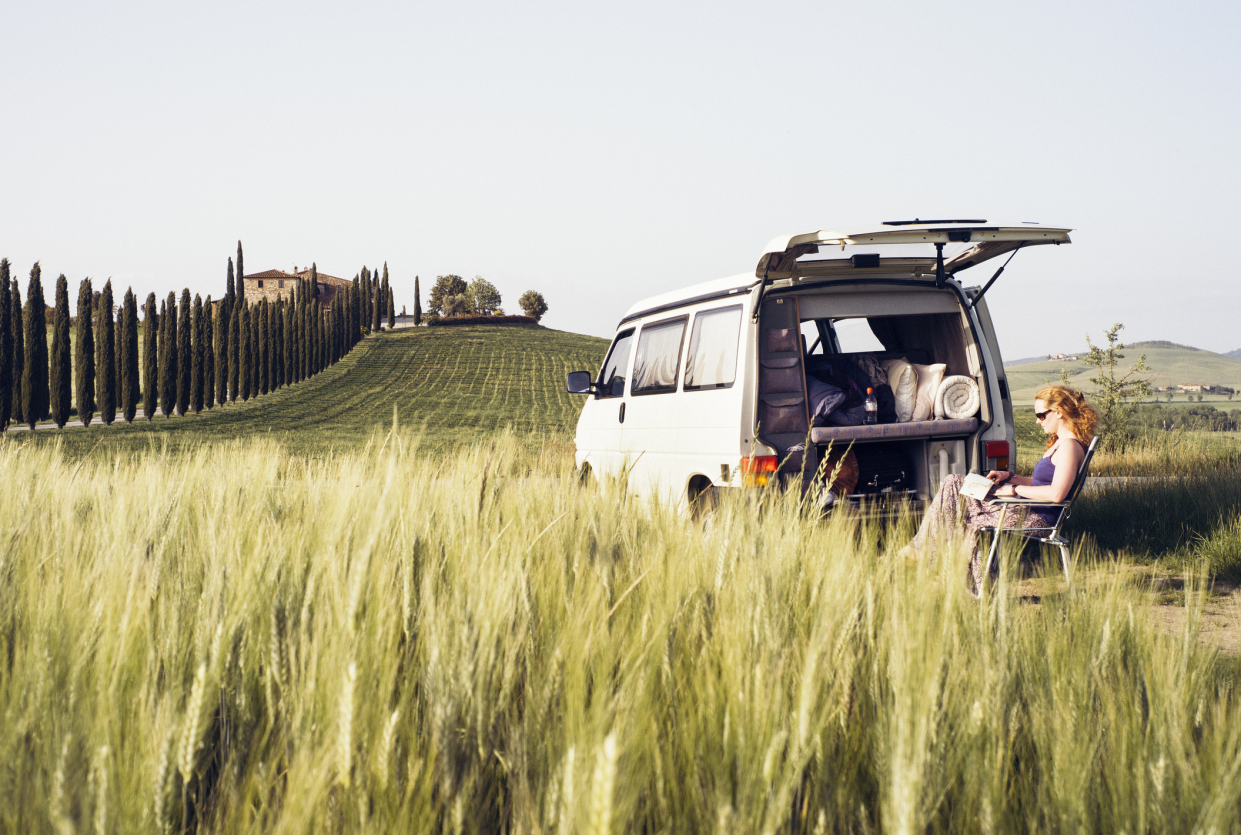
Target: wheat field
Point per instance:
(230, 638)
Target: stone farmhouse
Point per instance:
(277, 284)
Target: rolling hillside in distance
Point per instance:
(459, 384)
(1170, 365)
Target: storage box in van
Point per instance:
(720, 385)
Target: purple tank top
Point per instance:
(1045, 471)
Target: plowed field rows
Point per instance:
(459, 384)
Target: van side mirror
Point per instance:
(579, 382)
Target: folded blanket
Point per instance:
(957, 398)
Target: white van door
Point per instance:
(600, 429)
(650, 437)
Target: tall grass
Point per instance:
(229, 639)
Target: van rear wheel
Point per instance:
(701, 496)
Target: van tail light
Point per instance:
(757, 471)
(997, 455)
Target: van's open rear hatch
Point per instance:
(988, 240)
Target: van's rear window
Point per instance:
(712, 359)
(659, 354)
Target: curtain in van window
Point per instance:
(935, 337)
(659, 353)
(712, 360)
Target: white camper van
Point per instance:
(722, 385)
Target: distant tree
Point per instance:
(445, 287)
(458, 305)
(131, 382)
(185, 352)
(1116, 394)
(61, 371)
(209, 325)
(417, 302)
(234, 352)
(17, 412)
(6, 347)
(391, 310)
(376, 303)
(84, 355)
(241, 271)
(150, 359)
(321, 353)
(483, 297)
(224, 358)
(246, 378)
(533, 304)
(34, 375)
(168, 356)
(118, 350)
(280, 342)
(198, 362)
(263, 327)
(105, 365)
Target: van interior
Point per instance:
(843, 338)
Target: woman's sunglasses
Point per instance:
(1041, 416)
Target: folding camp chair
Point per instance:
(1048, 535)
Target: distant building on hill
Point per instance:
(1063, 356)
(277, 284)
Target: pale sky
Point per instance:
(602, 154)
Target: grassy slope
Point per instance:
(1170, 366)
(459, 383)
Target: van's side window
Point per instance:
(612, 377)
(659, 354)
(712, 360)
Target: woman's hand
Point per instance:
(999, 476)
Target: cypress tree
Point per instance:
(118, 352)
(168, 356)
(223, 358)
(6, 347)
(150, 359)
(209, 321)
(247, 352)
(282, 340)
(308, 339)
(235, 340)
(84, 355)
(105, 367)
(16, 413)
(61, 371)
(265, 340)
(256, 354)
(185, 352)
(131, 381)
(35, 394)
(391, 310)
(198, 366)
(241, 272)
(375, 302)
(417, 303)
(221, 352)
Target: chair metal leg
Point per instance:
(1064, 561)
(995, 545)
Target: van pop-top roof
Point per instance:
(780, 258)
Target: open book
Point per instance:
(977, 487)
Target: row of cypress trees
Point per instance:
(194, 356)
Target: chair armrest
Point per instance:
(1025, 502)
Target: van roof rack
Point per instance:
(916, 221)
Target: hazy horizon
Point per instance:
(601, 155)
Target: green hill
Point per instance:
(459, 383)
(1170, 364)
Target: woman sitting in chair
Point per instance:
(1069, 421)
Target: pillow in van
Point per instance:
(929, 378)
(903, 380)
(824, 399)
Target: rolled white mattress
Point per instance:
(957, 398)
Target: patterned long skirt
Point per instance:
(954, 517)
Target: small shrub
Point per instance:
(448, 321)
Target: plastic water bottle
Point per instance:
(872, 407)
